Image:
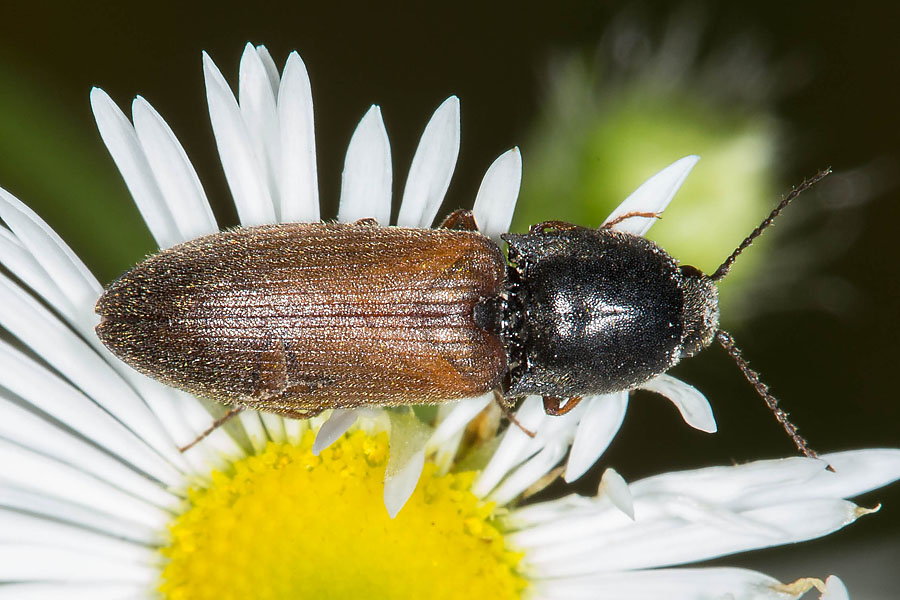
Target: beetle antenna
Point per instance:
(724, 338)
(723, 269)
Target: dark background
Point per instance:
(833, 371)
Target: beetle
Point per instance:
(297, 318)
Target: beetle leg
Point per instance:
(368, 222)
(506, 405)
(460, 219)
(551, 405)
(216, 424)
(545, 226)
(630, 215)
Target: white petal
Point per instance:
(512, 449)
(241, 165)
(653, 196)
(553, 435)
(835, 589)
(20, 562)
(66, 270)
(497, 195)
(252, 424)
(674, 532)
(693, 406)
(125, 149)
(274, 426)
(366, 181)
(257, 103)
(432, 167)
(672, 584)
(66, 511)
(856, 472)
(768, 482)
(174, 173)
(337, 425)
(528, 473)
(96, 590)
(270, 67)
(294, 429)
(29, 470)
(31, 431)
(596, 429)
(23, 265)
(299, 185)
(38, 329)
(408, 437)
(442, 451)
(458, 418)
(614, 487)
(184, 419)
(20, 528)
(402, 484)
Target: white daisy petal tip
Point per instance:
(331, 430)
(690, 402)
(407, 440)
(613, 486)
(432, 167)
(299, 185)
(596, 430)
(400, 487)
(835, 589)
(367, 178)
(496, 199)
(653, 196)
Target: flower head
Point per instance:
(97, 501)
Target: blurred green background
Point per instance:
(598, 96)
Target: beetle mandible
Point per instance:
(297, 318)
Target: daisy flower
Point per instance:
(97, 502)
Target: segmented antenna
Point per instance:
(727, 342)
(724, 338)
(723, 269)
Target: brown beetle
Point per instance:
(301, 317)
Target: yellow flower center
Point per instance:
(285, 524)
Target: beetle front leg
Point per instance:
(460, 219)
(552, 408)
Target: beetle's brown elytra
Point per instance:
(301, 317)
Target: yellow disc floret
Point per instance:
(287, 525)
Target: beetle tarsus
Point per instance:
(552, 405)
(216, 424)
